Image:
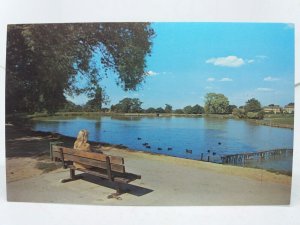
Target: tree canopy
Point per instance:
(128, 105)
(98, 99)
(216, 103)
(44, 62)
(252, 105)
(168, 108)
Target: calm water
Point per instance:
(175, 135)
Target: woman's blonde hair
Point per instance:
(82, 136)
(81, 141)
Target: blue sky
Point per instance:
(239, 60)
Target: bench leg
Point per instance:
(119, 191)
(72, 177)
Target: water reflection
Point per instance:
(97, 129)
(127, 118)
(205, 137)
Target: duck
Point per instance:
(158, 148)
(214, 153)
(208, 151)
(139, 138)
(188, 151)
(219, 143)
(148, 146)
(145, 144)
(169, 149)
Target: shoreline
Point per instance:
(264, 122)
(97, 146)
(33, 177)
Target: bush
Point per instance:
(239, 113)
(252, 115)
(261, 114)
(255, 115)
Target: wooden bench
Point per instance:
(107, 167)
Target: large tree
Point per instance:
(98, 99)
(197, 109)
(128, 105)
(47, 61)
(168, 108)
(216, 103)
(252, 105)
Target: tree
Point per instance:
(127, 105)
(46, 61)
(70, 107)
(230, 108)
(216, 103)
(252, 105)
(160, 110)
(98, 98)
(188, 109)
(150, 110)
(168, 108)
(197, 109)
(179, 111)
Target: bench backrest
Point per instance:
(93, 159)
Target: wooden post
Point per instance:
(201, 156)
(51, 149)
(62, 158)
(207, 158)
(108, 168)
(72, 174)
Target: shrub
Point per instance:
(239, 113)
(255, 115)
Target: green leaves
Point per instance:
(127, 105)
(216, 103)
(252, 105)
(44, 61)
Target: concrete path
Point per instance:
(165, 181)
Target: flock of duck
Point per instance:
(189, 151)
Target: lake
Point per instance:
(185, 137)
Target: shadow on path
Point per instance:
(129, 188)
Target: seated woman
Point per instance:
(81, 144)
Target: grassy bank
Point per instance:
(274, 120)
(278, 120)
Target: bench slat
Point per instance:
(90, 155)
(126, 177)
(89, 162)
(103, 175)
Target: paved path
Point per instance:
(165, 181)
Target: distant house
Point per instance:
(289, 108)
(272, 109)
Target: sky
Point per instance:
(189, 60)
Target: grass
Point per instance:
(280, 120)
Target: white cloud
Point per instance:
(210, 79)
(269, 78)
(151, 73)
(264, 89)
(250, 61)
(228, 61)
(208, 87)
(226, 79)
